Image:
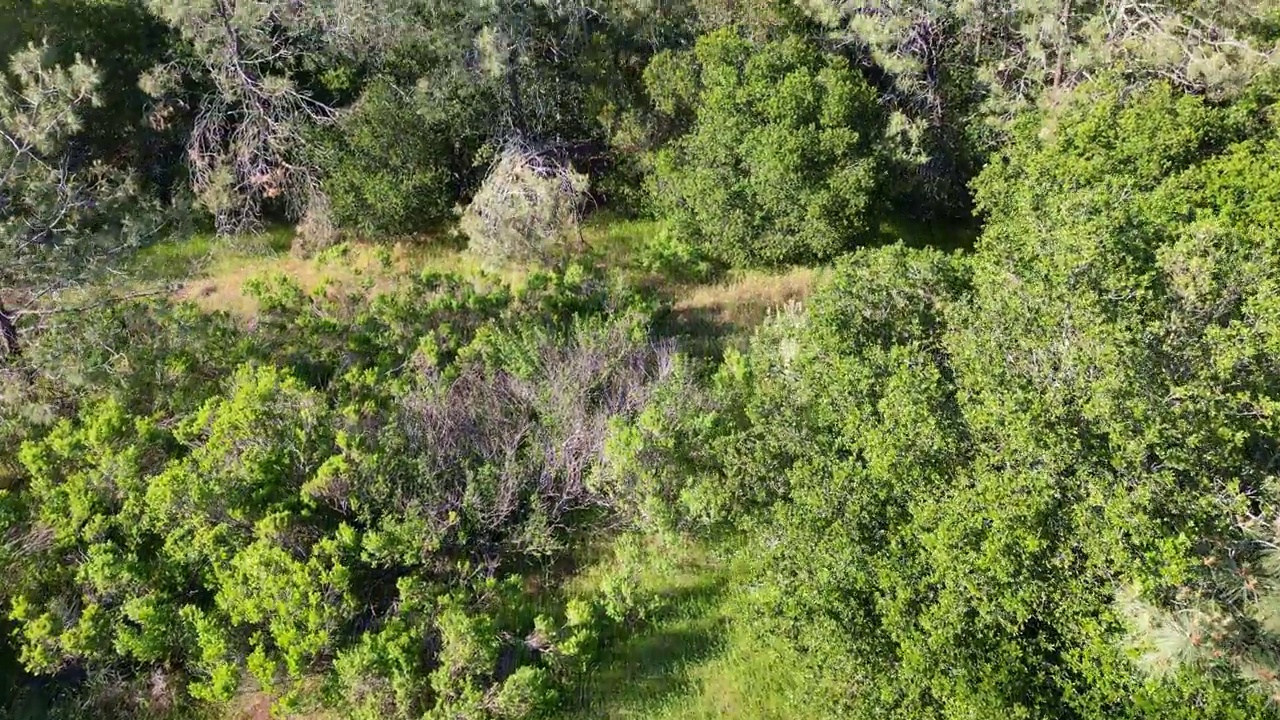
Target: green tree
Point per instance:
(62, 220)
(957, 73)
(780, 162)
(251, 64)
(950, 467)
(122, 39)
(394, 164)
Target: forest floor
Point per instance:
(704, 314)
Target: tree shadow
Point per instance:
(947, 234)
(702, 332)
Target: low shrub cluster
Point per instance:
(347, 505)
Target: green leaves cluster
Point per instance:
(951, 465)
(779, 163)
(338, 506)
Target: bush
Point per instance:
(952, 468)
(780, 163)
(351, 491)
(393, 168)
(528, 210)
(316, 230)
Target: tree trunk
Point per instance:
(9, 334)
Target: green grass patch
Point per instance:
(176, 259)
(696, 654)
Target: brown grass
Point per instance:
(745, 299)
(222, 285)
(707, 318)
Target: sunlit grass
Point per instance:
(705, 314)
(214, 272)
(698, 656)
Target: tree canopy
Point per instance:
(913, 359)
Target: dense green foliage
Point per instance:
(953, 464)
(122, 40)
(395, 166)
(1032, 477)
(779, 164)
(327, 497)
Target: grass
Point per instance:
(697, 657)
(704, 315)
(213, 272)
(199, 254)
(707, 317)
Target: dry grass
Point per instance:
(221, 283)
(710, 317)
(214, 274)
(745, 299)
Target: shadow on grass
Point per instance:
(946, 234)
(175, 259)
(639, 671)
(707, 319)
(703, 332)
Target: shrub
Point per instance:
(528, 209)
(779, 164)
(348, 491)
(317, 229)
(953, 467)
(391, 168)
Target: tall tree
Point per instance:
(253, 62)
(62, 219)
(1023, 48)
(956, 65)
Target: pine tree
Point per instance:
(246, 148)
(1227, 620)
(62, 219)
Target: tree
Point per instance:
(251, 60)
(62, 219)
(959, 72)
(1020, 50)
(123, 39)
(780, 162)
(527, 49)
(394, 164)
(949, 468)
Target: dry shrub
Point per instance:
(528, 209)
(540, 436)
(316, 230)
